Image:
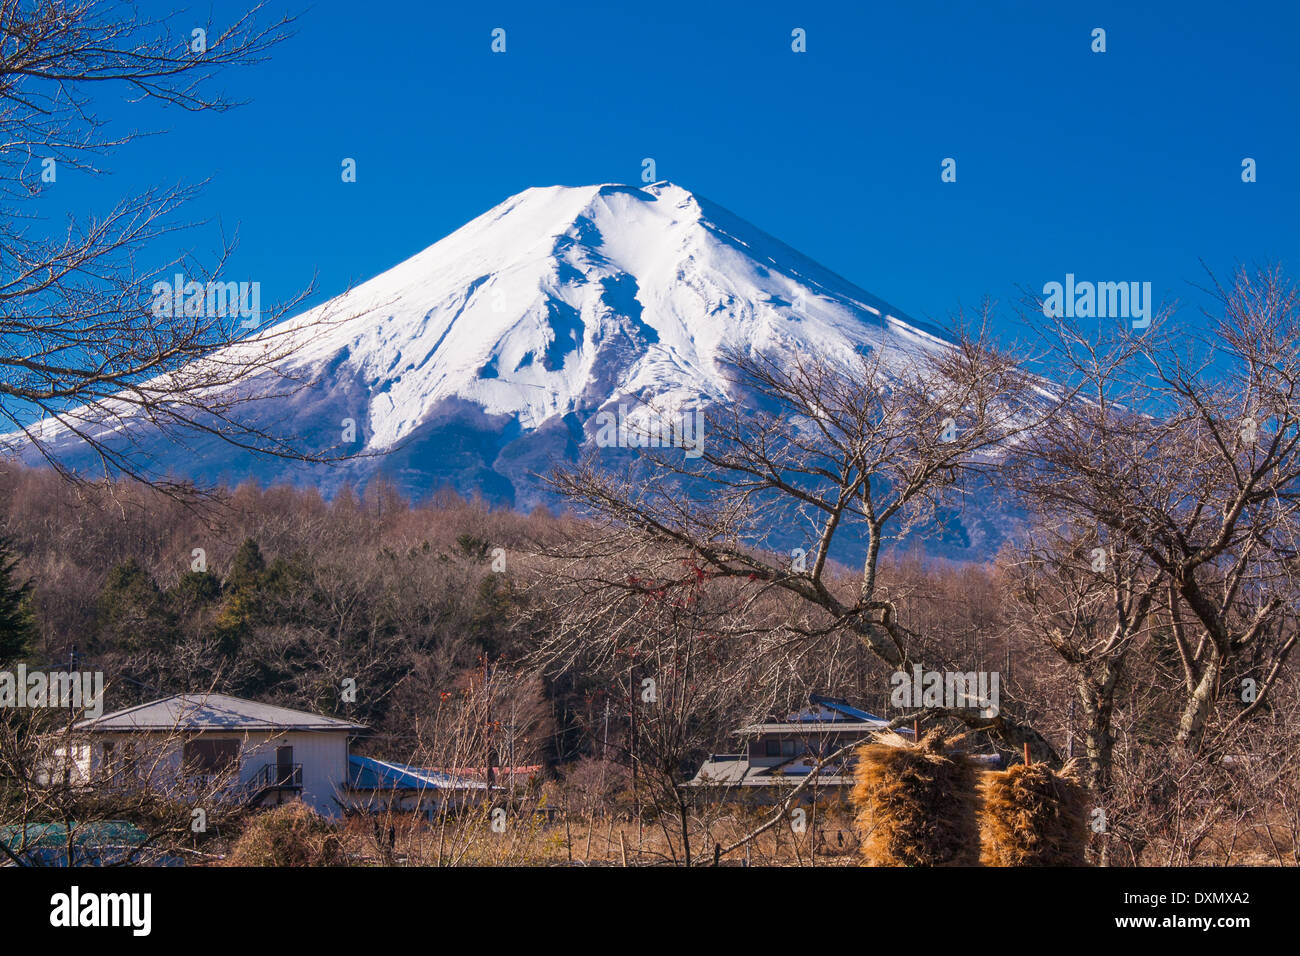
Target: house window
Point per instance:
(119, 758)
(208, 757)
(127, 759)
(789, 747)
(772, 747)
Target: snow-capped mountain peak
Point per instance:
(562, 298)
(480, 360)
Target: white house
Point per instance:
(253, 752)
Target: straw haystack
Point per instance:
(915, 805)
(1033, 816)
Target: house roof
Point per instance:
(211, 712)
(367, 773)
(831, 709)
(810, 727)
(823, 715)
(734, 770)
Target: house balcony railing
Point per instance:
(276, 776)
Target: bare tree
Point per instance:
(850, 456)
(1187, 459)
(1082, 589)
(91, 333)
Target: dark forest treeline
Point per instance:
(272, 594)
(279, 595)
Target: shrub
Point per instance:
(289, 835)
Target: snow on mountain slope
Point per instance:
(477, 360)
(561, 298)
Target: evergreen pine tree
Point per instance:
(17, 627)
(132, 612)
(247, 567)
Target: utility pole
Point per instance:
(636, 763)
(606, 747)
(1069, 740)
(72, 716)
(510, 747)
(491, 749)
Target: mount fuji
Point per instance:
(477, 362)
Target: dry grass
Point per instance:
(915, 805)
(1033, 816)
(289, 835)
(606, 840)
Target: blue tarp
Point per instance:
(367, 773)
(101, 843)
(837, 704)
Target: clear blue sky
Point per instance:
(1117, 166)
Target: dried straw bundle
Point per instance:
(915, 805)
(1034, 816)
